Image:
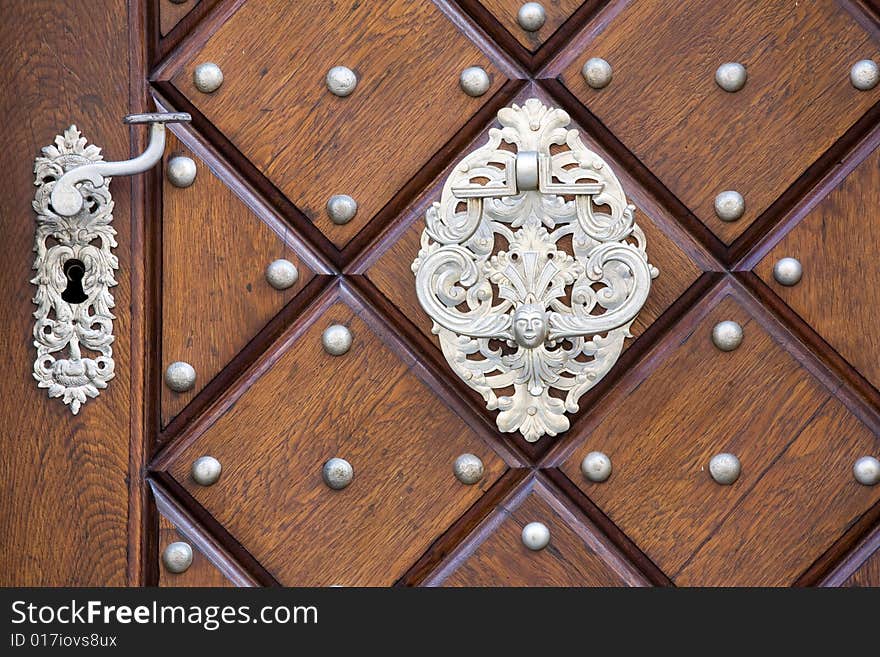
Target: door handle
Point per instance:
(75, 263)
(532, 269)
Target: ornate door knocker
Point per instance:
(533, 269)
(75, 263)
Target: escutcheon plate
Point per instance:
(533, 269)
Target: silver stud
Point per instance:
(468, 469)
(535, 536)
(729, 205)
(531, 17)
(336, 339)
(864, 75)
(867, 471)
(181, 171)
(597, 72)
(596, 467)
(341, 208)
(337, 473)
(724, 468)
(474, 81)
(727, 335)
(206, 470)
(177, 557)
(207, 77)
(282, 274)
(180, 376)
(341, 81)
(731, 76)
(788, 271)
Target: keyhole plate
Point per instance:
(74, 270)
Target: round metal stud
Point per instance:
(535, 536)
(341, 81)
(788, 271)
(531, 17)
(177, 557)
(181, 171)
(341, 208)
(724, 468)
(468, 469)
(180, 376)
(474, 81)
(207, 77)
(336, 339)
(731, 76)
(282, 274)
(337, 473)
(729, 205)
(867, 471)
(727, 335)
(206, 470)
(597, 72)
(596, 467)
(864, 74)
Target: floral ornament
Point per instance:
(532, 269)
(84, 328)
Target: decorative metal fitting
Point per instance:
(341, 81)
(867, 471)
(341, 209)
(474, 81)
(528, 336)
(864, 74)
(181, 171)
(788, 271)
(729, 205)
(180, 376)
(282, 274)
(531, 17)
(337, 473)
(468, 469)
(596, 467)
(597, 72)
(727, 335)
(724, 468)
(75, 273)
(207, 77)
(206, 470)
(536, 536)
(731, 76)
(336, 340)
(177, 557)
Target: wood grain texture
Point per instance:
(171, 13)
(752, 402)
(275, 108)
(63, 478)
(201, 573)
(578, 555)
(837, 295)
(215, 296)
(557, 12)
(665, 106)
(868, 574)
(365, 407)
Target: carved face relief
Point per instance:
(529, 326)
(566, 315)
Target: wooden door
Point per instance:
(96, 498)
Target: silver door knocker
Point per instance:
(532, 269)
(75, 263)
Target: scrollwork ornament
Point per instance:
(73, 340)
(532, 291)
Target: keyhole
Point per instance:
(74, 270)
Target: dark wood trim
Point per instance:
(849, 564)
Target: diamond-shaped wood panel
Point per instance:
(555, 11)
(699, 140)
(275, 107)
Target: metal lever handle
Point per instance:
(66, 197)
